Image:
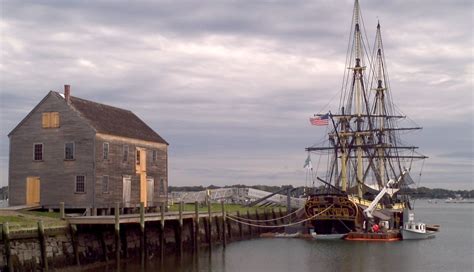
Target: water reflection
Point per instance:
(451, 250)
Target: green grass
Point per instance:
(29, 219)
(216, 207)
(54, 215)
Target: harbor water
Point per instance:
(451, 250)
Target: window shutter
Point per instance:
(46, 120)
(143, 159)
(55, 119)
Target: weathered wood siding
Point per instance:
(116, 168)
(57, 176)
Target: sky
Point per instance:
(231, 84)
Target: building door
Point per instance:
(32, 190)
(140, 168)
(150, 185)
(127, 190)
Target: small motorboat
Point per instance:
(412, 230)
(416, 231)
(333, 236)
(287, 235)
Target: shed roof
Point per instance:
(115, 121)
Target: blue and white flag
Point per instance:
(307, 163)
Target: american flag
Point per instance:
(320, 120)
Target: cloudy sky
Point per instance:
(231, 84)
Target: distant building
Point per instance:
(86, 154)
(4, 193)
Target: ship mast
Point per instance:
(365, 137)
(379, 107)
(358, 85)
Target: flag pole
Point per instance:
(335, 129)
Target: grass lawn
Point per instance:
(29, 219)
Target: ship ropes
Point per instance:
(363, 146)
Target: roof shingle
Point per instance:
(115, 121)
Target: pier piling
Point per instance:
(142, 233)
(180, 229)
(274, 216)
(257, 217)
(62, 213)
(162, 232)
(224, 238)
(241, 233)
(117, 234)
(73, 230)
(209, 225)
(100, 234)
(42, 241)
(6, 241)
(196, 227)
(250, 227)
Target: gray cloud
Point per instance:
(231, 84)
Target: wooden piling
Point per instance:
(73, 230)
(265, 216)
(229, 229)
(196, 227)
(224, 233)
(62, 212)
(209, 225)
(101, 237)
(241, 233)
(250, 227)
(288, 204)
(218, 227)
(142, 233)
(162, 232)
(280, 212)
(257, 217)
(180, 229)
(274, 216)
(42, 241)
(6, 242)
(117, 234)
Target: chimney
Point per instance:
(67, 93)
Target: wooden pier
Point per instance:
(135, 218)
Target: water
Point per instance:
(451, 250)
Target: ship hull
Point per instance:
(413, 235)
(332, 214)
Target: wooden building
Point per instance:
(86, 154)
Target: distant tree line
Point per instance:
(421, 192)
(424, 192)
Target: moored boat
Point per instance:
(416, 231)
(412, 230)
(368, 163)
(335, 236)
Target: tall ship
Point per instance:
(368, 162)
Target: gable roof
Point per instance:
(29, 114)
(114, 121)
